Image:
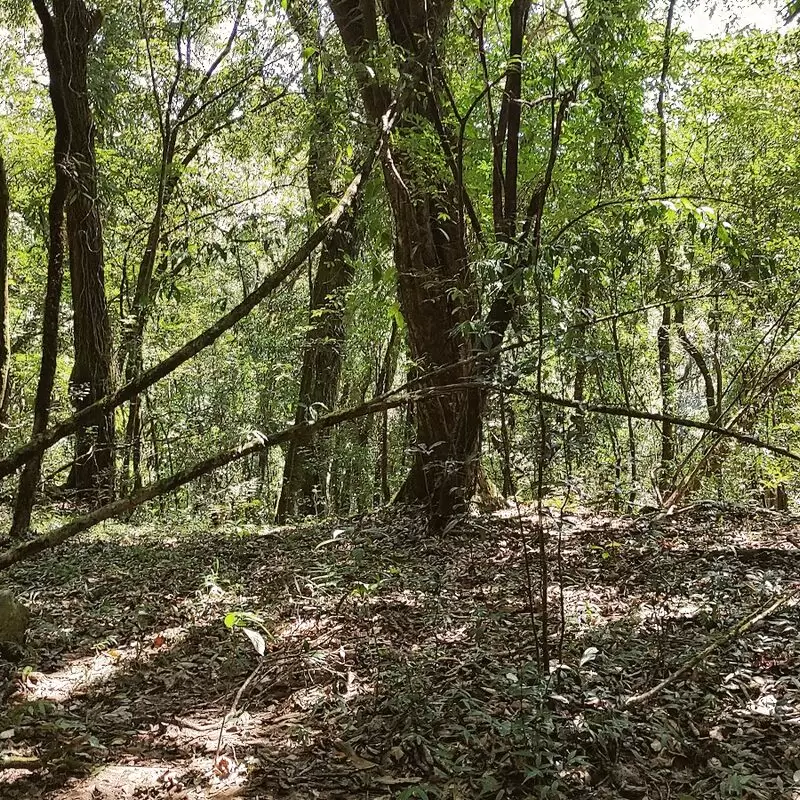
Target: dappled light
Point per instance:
(399, 400)
(410, 679)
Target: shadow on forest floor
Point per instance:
(398, 664)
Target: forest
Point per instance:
(399, 399)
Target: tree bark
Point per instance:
(304, 490)
(92, 474)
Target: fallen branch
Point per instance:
(736, 631)
(19, 762)
(257, 443)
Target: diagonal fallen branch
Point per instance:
(735, 632)
(633, 413)
(259, 442)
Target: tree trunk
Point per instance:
(5, 334)
(666, 379)
(579, 344)
(306, 467)
(304, 490)
(29, 478)
(434, 277)
(92, 474)
(382, 493)
(666, 375)
(626, 394)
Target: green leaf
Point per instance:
(239, 619)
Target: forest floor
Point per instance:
(398, 664)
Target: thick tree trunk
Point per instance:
(92, 475)
(434, 277)
(432, 271)
(435, 280)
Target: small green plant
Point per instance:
(243, 620)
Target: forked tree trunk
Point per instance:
(434, 277)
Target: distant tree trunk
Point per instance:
(304, 489)
(382, 492)
(666, 378)
(5, 330)
(92, 474)
(349, 470)
(306, 467)
(626, 394)
(579, 342)
(29, 478)
(710, 388)
(666, 374)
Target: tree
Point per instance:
(72, 28)
(193, 105)
(29, 479)
(305, 475)
(436, 279)
(5, 327)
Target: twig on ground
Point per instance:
(20, 762)
(737, 630)
(235, 706)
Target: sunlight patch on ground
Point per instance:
(583, 607)
(118, 781)
(82, 673)
(121, 781)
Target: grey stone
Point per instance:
(14, 618)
